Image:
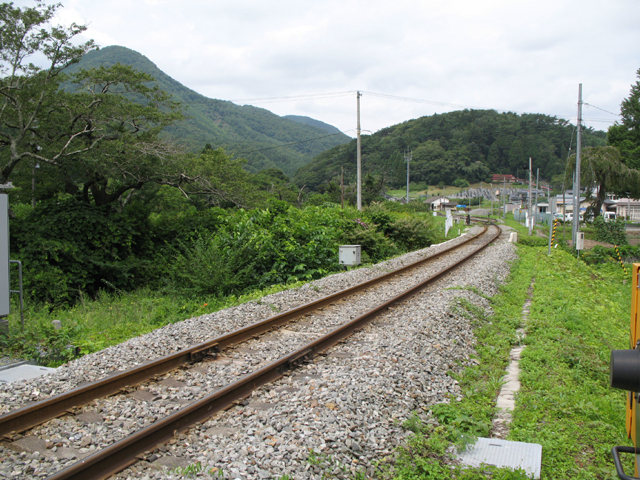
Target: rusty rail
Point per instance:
(127, 451)
(27, 417)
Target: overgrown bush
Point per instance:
(533, 241)
(412, 233)
(257, 248)
(610, 232)
(69, 247)
(461, 183)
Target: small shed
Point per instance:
(437, 203)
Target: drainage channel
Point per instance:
(496, 450)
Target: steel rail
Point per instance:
(27, 417)
(127, 451)
(39, 412)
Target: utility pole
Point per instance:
(504, 197)
(537, 187)
(491, 192)
(407, 158)
(359, 156)
(530, 221)
(576, 204)
(342, 189)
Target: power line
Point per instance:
(312, 96)
(318, 96)
(602, 109)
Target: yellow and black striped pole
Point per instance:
(553, 235)
(621, 262)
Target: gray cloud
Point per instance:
(505, 54)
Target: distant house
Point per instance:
(566, 206)
(499, 178)
(628, 208)
(437, 203)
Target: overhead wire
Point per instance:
(318, 96)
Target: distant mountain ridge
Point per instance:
(466, 145)
(265, 139)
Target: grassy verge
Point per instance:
(112, 318)
(578, 315)
(92, 325)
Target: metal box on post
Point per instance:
(580, 241)
(349, 254)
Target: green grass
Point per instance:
(112, 318)
(578, 315)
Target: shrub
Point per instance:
(70, 247)
(610, 232)
(533, 241)
(413, 233)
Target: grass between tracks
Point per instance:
(578, 315)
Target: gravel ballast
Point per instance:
(339, 414)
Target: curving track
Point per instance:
(265, 363)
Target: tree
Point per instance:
(25, 89)
(626, 136)
(602, 170)
(97, 128)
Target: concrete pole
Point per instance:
(537, 187)
(530, 219)
(576, 204)
(359, 157)
(407, 158)
(504, 197)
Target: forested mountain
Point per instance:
(467, 144)
(244, 131)
(313, 122)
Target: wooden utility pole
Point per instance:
(359, 157)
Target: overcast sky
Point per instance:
(508, 55)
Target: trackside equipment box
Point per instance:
(349, 254)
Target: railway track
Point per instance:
(262, 369)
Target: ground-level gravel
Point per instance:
(339, 414)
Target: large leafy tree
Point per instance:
(603, 171)
(26, 90)
(96, 132)
(626, 135)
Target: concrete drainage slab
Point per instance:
(504, 453)
(22, 371)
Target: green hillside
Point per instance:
(246, 131)
(313, 122)
(466, 144)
